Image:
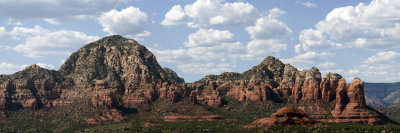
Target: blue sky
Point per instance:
(200, 37)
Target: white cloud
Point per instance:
(3, 32)
(313, 39)
(175, 16)
(171, 56)
(59, 9)
(206, 13)
(309, 4)
(51, 43)
(269, 26)
(13, 23)
(207, 49)
(61, 20)
(7, 68)
(208, 68)
(209, 37)
(129, 21)
(47, 66)
(311, 59)
(389, 57)
(368, 26)
(19, 33)
(258, 49)
(381, 67)
(275, 13)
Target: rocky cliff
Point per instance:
(116, 72)
(33, 87)
(112, 72)
(279, 82)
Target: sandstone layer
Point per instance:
(284, 116)
(116, 72)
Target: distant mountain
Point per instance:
(382, 94)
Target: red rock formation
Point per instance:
(288, 82)
(111, 115)
(115, 71)
(328, 86)
(297, 91)
(255, 93)
(193, 97)
(284, 116)
(310, 89)
(179, 118)
(351, 106)
(212, 98)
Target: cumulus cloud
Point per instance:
(3, 32)
(55, 10)
(314, 39)
(388, 57)
(129, 21)
(381, 67)
(13, 23)
(206, 13)
(47, 66)
(41, 42)
(309, 4)
(8, 68)
(19, 33)
(269, 26)
(207, 68)
(211, 51)
(368, 26)
(209, 37)
(175, 16)
(311, 59)
(258, 49)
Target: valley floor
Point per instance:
(164, 116)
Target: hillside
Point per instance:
(117, 84)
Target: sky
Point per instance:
(195, 38)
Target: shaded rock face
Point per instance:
(131, 63)
(172, 76)
(276, 81)
(117, 72)
(273, 80)
(33, 87)
(328, 86)
(351, 106)
(382, 94)
(113, 71)
(311, 89)
(121, 73)
(284, 116)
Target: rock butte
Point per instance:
(284, 116)
(118, 72)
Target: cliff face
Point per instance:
(351, 105)
(113, 71)
(117, 72)
(276, 81)
(32, 88)
(120, 69)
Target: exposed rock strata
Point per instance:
(117, 72)
(351, 106)
(284, 116)
(276, 81)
